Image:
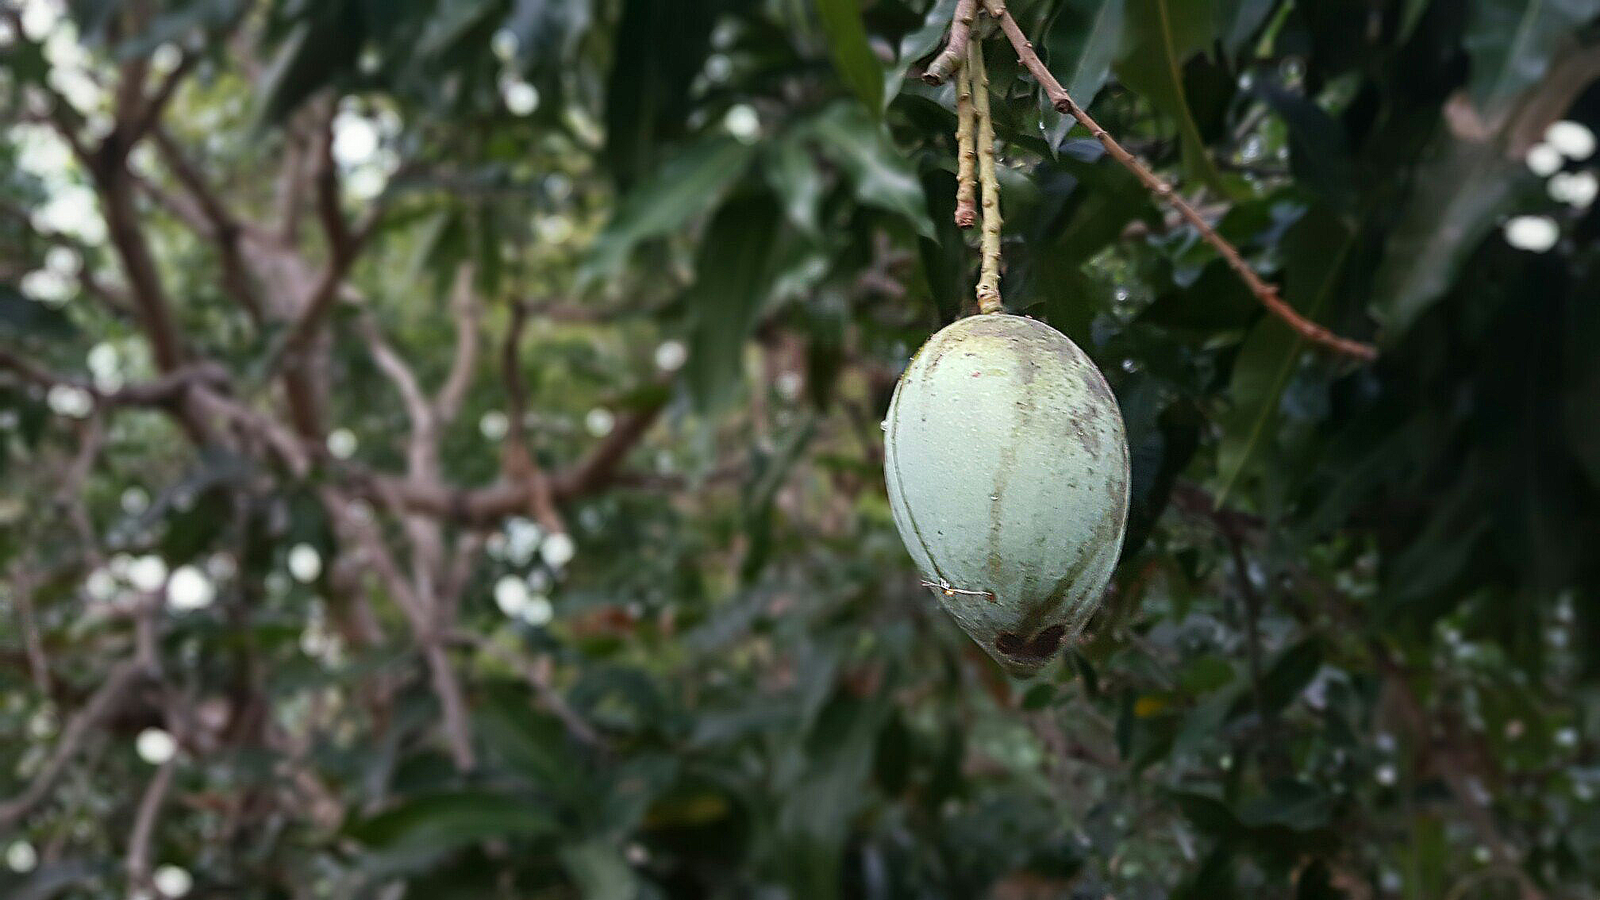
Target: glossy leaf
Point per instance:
(687, 185)
(1316, 247)
(1162, 35)
(883, 177)
(731, 279)
(852, 55)
(1513, 44)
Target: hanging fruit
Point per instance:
(1007, 469)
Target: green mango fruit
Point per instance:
(1007, 468)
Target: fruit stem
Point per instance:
(989, 270)
(966, 153)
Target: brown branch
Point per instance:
(599, 468)
(966, 153)
(989, 268)
(518, 463)
(291, 183)
(1265, 293)
(955, 50)
(163, 390)
(329, 203)
(429, 631)
(101, 702)
(152, 108)
(144, 824)
(468, 313)
(319, 302)
(126, 229)
(422, 448)
(23, 583)
(214, 221)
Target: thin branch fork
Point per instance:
(954, 54)
(1266, 294)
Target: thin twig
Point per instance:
(468, 313)
(518, 463)
(538, 678)
(1265, 293)
(144, 824)
(966, 153)
(23, 585)
(104, 699)
(989, 270)
(949, 60)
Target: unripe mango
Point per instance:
(1007, 469)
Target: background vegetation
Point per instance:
(441, 458)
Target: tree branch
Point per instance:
(468, 313)
(966, 153)
(1265, 293)
(537, 674)
(518, 464)
(144, 824)
(954, 53)
(101, 702)
(599, 467)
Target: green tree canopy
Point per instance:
(439, 451)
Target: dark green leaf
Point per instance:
(1083, 41)
(882, 175)
(323, 45)
(731, 282)
(852, 55)
(442, 822)
(689, 184)
(1513, 42)
(1316, 248)
(1162, 35)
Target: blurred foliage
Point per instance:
(1346, 653)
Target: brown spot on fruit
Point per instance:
(1043, 645)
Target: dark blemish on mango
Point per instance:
(1043, 645)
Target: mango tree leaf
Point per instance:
(1410, 15)
(852, 55)
(883, 176)
(793, 173)
(920, 42)
(22, 317)
(600, 871)
(324, 44)
(1162, 34)
(1319, 152)
(1081, 43)
(1283, 681)
(687, 185)
(660, 46)
(445, 821)
(731, 280)
(1513, 41)
(173, 24)
(1462, 187)
(547, 29)
(1238, 20)
(451, 23)
(1316, 248)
